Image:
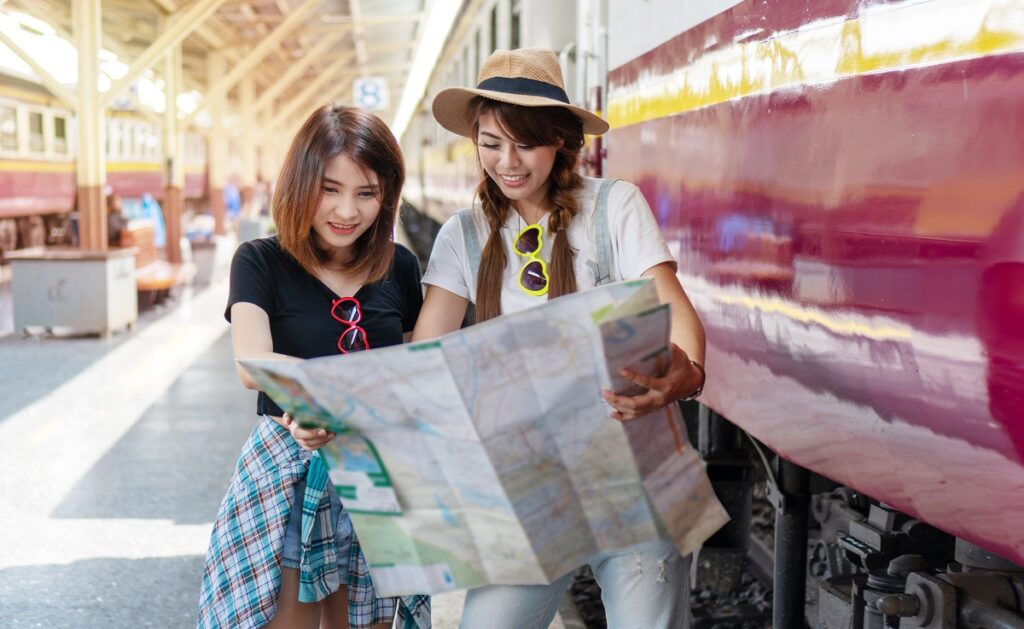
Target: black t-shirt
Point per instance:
(299, 305)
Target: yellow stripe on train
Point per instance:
(26, 166)
(30, 166)
(882, 39)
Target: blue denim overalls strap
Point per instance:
(602, 234)
(472, 241)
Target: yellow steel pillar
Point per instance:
(174, 153)
(91, 175)
(249, 133)
(217, 140)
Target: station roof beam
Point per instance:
(246, 65)
(179, 27)
(332, 73)
(359, 35)
(52, 84)
(298, 68)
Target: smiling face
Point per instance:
(349, 207)
(520, 170)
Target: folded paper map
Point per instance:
(488, 457)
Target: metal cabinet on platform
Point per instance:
(74, 290)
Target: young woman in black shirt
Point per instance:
(331, 281)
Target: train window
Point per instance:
(147, 143)
(110, 138)
(8, 128)
(131, 141)
(35, 132)
(517, 11)
(124, 147)
(140, 142)
(122, 141)
(153, 145)
(493, 34)
(60, 134)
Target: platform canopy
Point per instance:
(298, 53)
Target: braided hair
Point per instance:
(534, 126)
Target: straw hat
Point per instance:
(530, 77)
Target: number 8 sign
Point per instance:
(370, 92)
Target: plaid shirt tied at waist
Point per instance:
(242, 575)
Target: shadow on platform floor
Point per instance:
(177, 461)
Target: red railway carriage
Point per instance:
(842, 183)
(843, 195)
(30, 187)
(134, 165)
(37, 163)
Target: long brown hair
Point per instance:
(533, 126)
(332, 130)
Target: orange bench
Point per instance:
(154, 276)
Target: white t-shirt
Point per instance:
(637, 245)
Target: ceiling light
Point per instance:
(433, 35)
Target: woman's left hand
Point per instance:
(311, 439)
(681, 379)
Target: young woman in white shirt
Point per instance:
(536, 231)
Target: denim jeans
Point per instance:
(646, 586)
(290, 557)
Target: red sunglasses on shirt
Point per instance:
(346, 310)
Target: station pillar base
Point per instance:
(217, 208)
(172, 217)
(92, 218)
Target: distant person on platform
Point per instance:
(232, 200)
(116, 220)
(150, 210)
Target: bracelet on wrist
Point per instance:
(700, 386)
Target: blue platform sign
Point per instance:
(371, 92)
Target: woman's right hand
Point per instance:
(308, 439)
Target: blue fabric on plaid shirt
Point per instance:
(242, 575)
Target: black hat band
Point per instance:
(524, 87)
